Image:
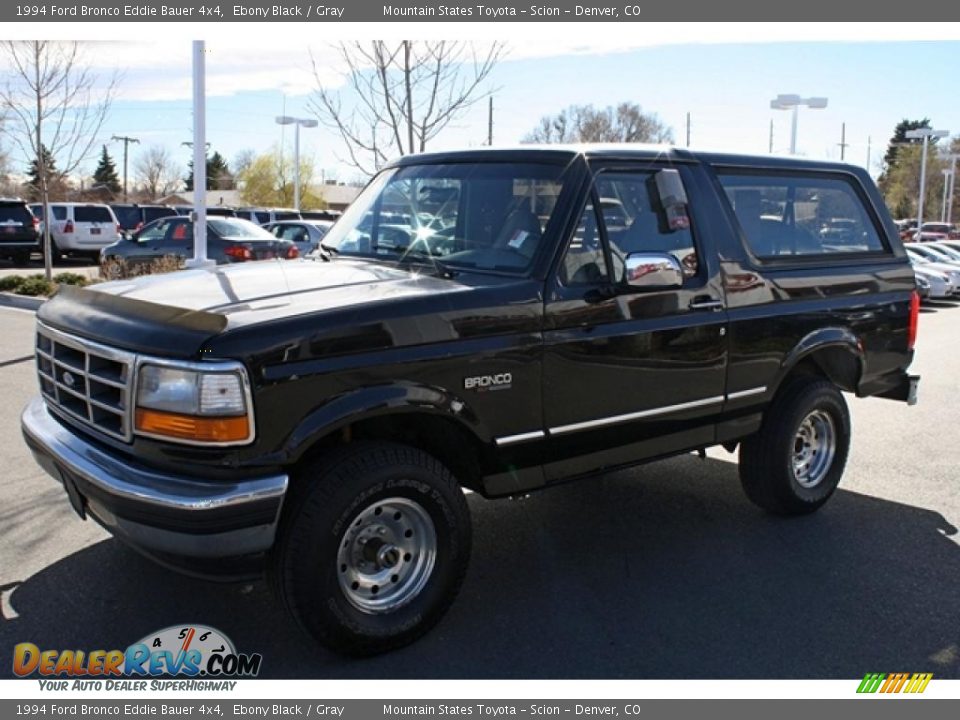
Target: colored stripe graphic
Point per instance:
(894, 683)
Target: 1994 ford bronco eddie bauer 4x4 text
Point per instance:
(499, 320)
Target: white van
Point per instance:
(80, 228)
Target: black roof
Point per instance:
(563, 154)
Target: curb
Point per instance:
(21, 302)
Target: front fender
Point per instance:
(379, 400)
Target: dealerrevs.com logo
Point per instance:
(190, 651)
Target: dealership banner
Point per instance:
(214, 707)
(333, 11)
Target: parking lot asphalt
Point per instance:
(664, 571)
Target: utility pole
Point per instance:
(843, 142)
(126, 143)
(869, 141)
(490, 123)
(771, 136)
(688, 129)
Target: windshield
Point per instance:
(483, 216)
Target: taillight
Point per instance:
(238, 252)
(292, 252)
(119, 229)
(914, 319)
(36, 223)
(139, 225)
(68, 227)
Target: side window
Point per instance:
(154, 232)
(180, 232)
(633, 221)
(584, 262)
(59, 212)
(789, 215)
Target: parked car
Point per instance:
(133, 216)
(906, 228)
(80, 229)
(265, 216)
(229, 240)
(940, 285)
(307, 234)
(331, 215)
(945, 250)
(921, 257)
(923, 287)
(19, 231)
(323, 419)
(934, 231)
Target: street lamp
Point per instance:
(947, 175)
(299, 122)
(926, 134)
(793, 102)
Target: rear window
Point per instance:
(127, 216)
(10, 214)
(92, 213)
(789, 215)
(59, 212)
(155, 213)
(238, 229)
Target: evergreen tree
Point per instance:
(106, 173)
(219, 176)
(33, 173)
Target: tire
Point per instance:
(794, 463)
(365, 516)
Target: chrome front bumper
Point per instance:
(159, 513)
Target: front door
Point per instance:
(631, 374)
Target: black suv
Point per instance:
(494, 320)
(19, 231)
(133, 216)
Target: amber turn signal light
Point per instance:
(192, 427)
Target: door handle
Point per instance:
(705, 302)
(856, 316)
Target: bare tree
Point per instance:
(626, 123)
(400, 96)
(243, 160)
(54, 102)
(157, 172)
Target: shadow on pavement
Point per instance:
(662, 572)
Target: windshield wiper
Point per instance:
(422, 258)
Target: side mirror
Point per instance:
(652, 271)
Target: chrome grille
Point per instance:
(87, 381)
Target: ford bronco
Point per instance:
(496, 320)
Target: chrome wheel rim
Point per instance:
(814, 448)
(387, 555)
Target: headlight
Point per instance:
(193, 405)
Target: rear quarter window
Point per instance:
(787, 215)
(86, 213)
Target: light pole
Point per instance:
(298, 122)
(793, 102)
(926, 134)
(946, 189)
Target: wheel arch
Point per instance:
(428, 418)
(835, 353)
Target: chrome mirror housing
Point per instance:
(653, 271)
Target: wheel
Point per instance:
(373, 547)
(793, 464)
